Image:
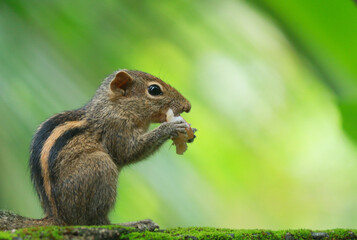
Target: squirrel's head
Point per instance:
(145, 97)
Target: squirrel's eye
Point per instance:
(154, 90)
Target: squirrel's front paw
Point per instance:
(172, 129)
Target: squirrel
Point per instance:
(76, 156)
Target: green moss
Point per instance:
(42, 232)
(342, 233)
(196, 233)
(217, 233)
(6, 235)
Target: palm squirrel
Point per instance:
(76, 156)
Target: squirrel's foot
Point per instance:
(146, 224)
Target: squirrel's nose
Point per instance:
(187, 107)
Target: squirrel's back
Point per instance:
(50, 138)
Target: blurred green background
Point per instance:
(273, 87)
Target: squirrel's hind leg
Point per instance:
(86, 191)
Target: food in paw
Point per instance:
(182, 139)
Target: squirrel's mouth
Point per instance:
(176, 111)
(180, 108)
(161, 117)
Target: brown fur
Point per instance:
(80, 153)
(56, 133)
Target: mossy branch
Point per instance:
(115, 232)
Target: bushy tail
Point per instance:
(9, 221)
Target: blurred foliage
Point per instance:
(325, 33)
(273, 92)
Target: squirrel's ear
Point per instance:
(120, 82)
